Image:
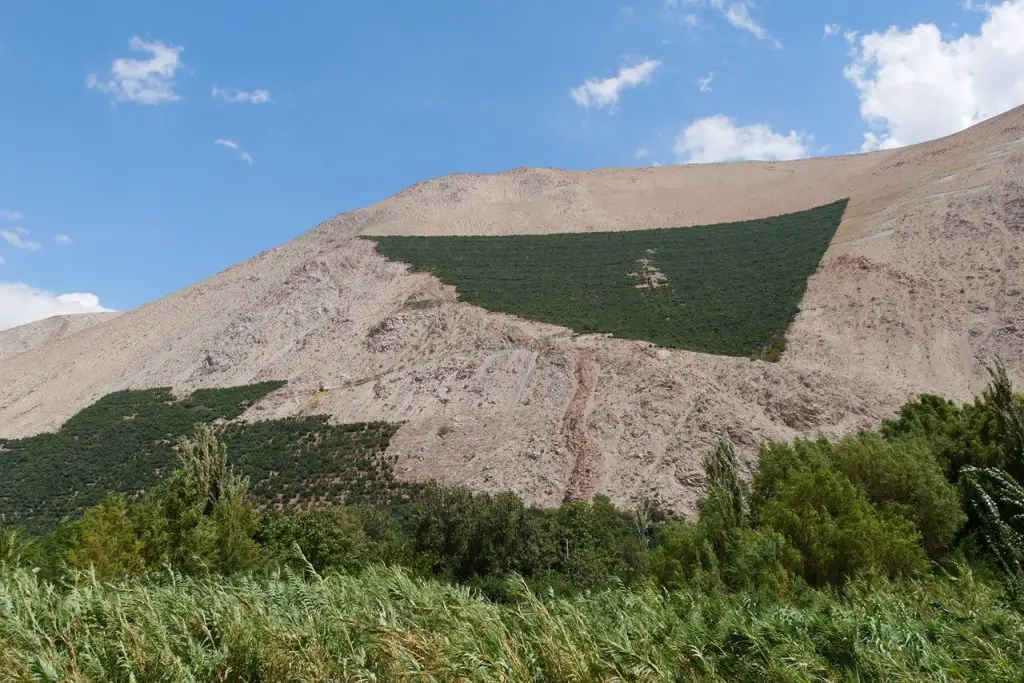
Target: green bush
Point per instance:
(778, 462)
(961, 436)
(905, 477)
(723, 549)
(105, 540)
(837, 531)
(323, 539)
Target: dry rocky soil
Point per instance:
(923, 281)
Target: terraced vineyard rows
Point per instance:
(123, 443)
(729, 289)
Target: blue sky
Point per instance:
(323, 107)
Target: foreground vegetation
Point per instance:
(729, 289)
(384, 625)
(891, 555)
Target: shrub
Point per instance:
(905, 477)
(772, 353)
(329, 538)
(106, 541)
(777, 462)
(837, 532)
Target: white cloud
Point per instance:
(62, 239)
(916, 86)
(19, 239)
(237, 96)
(231, 144)
(142, 81)
(718, 138)
(738, 14)
(705, 83)
(832, 30)
(604, 92)
(10, 216)
(21, 304)
(641, 153)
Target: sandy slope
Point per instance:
(924, 277)
(32, 335)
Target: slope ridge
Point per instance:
(921, 280)
(32, 335)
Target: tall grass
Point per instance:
(383, 625)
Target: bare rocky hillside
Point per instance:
(27, 337)
(925, 278)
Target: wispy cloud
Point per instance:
(604, 92)
(10, 216)
(705, 83)
(738, 14)
(19, 239)
(62, 240)
(236, 96)
(832, 30)
(142, 81)
(231, 144)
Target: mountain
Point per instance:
(922, 281)
(27, 337)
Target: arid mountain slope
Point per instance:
(923, 279)
(42, 332)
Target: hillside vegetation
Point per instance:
(729, 289)
(123, 444)
(896, 554)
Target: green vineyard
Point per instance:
(123, 443)
(729, 289)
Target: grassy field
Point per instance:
(122, 444)
(383, 625)
(728, 289)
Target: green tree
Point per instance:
(837, 532)
(905, 476)
(1008, 409)
(329, 538)
(997, 502)
(200, 518)
(106, 541)
(722, 549)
